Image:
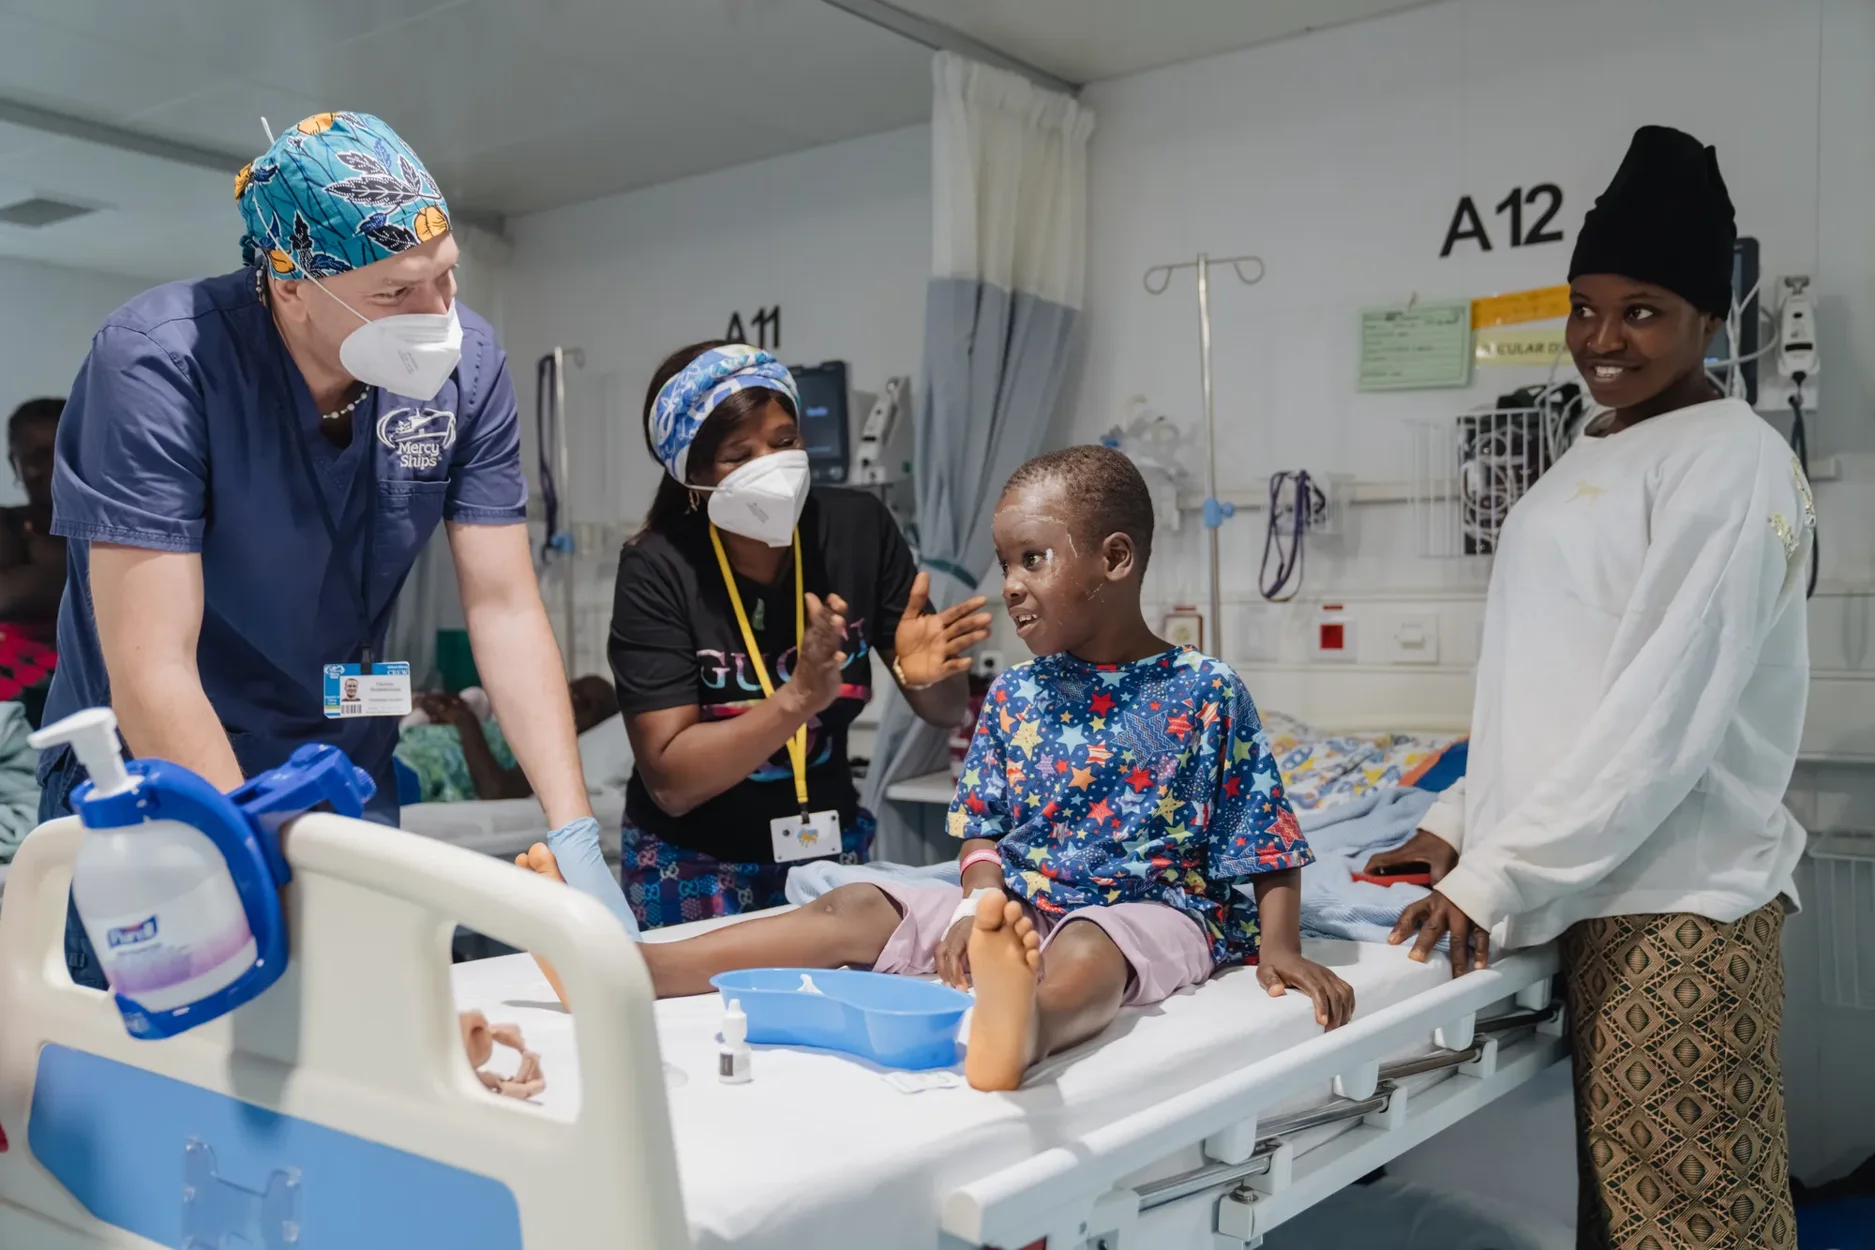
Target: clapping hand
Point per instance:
(930, 646)
(816, 676)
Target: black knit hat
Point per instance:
(1665, 219)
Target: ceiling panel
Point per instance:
(1088, 40)
(516, 105)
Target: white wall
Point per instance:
(47, 317)
(839, 236)
(1339, 158)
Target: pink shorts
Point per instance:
(1164, 949)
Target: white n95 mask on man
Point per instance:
(406, 353)
(763, 498)
(409, 354)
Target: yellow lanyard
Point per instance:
(797, 741)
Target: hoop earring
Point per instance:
(696, 500)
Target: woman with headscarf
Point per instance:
(1640, 697)
(743, 623)
(250, 464)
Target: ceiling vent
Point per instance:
(41, 211)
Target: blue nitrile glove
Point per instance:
(576, 846)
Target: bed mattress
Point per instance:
(763, 1165)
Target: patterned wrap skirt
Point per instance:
(1681, 1135)
(668, 885)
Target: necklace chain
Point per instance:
(260, 293)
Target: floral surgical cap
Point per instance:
(336, 192)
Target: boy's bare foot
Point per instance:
(1005, 960)
(538, 858)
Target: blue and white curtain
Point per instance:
(1009, 263)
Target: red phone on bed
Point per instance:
(1399, 874)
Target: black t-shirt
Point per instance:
(675, 642)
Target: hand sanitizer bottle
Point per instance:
(177, 883)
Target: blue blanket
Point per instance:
(1343, 838)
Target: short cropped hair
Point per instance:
(1103, 487)
(34, 410)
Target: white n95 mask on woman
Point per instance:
(406, 353)
(763, 498)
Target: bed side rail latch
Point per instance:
(216, 1212)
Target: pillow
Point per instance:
(605, 755)
(1285, 732)
(1397, 760)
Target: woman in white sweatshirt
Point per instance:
(1640, 698)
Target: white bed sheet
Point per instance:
(506, 826)
(762, 1164)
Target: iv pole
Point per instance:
(560, 533)
(1215, 512)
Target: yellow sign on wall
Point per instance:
(1520, 345)
(1520, 307)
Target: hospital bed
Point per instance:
(338, 1110)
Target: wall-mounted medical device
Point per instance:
(826, 400)
(1732, 356)
(884, 452)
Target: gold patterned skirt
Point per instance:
(1680, 1123)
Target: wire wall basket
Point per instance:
(1469, 470)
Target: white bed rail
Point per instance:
(360, 1035)
(1072, 1193)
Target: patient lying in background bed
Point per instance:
(454, 744)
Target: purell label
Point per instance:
(130, 935)
(186, 938)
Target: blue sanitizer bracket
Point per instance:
(244, 826)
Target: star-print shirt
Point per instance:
(1144, 782)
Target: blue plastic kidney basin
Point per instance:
(894, 1021)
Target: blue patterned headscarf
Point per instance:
(687, 400)
(336, 192)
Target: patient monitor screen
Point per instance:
(824, 430)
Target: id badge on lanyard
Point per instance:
(811, 835)
(364, 687)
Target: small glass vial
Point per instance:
(732, 1061)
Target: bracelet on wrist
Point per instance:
(898, 675)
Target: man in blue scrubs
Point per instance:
(250, 464)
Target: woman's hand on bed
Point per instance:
(1434, 917)
(953, 955)
(1279, 971)
(1422, 848)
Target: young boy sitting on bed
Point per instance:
(1117, 792)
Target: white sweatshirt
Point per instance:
(1641, 684)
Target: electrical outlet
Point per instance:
(1261, 634)
(1411, 638)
